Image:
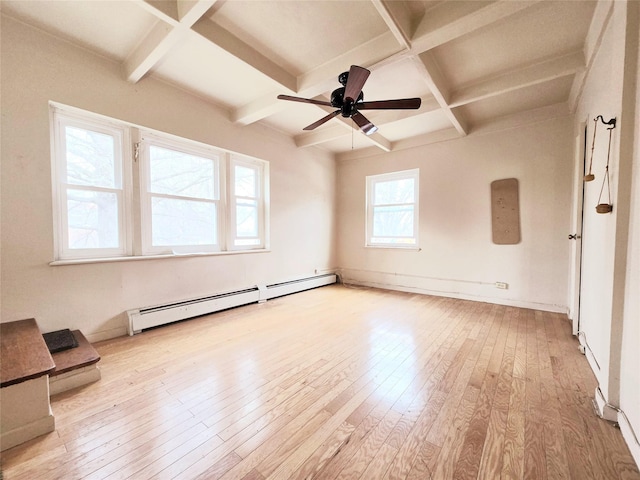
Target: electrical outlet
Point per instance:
(502, 285)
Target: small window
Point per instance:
(180, 197)
(392, 209)
(89, 202)
(247, 203)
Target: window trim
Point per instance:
(60, 119)
(261, 198)
(133, 230)
(148, 139)
(371, 181)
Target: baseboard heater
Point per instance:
(148, 317)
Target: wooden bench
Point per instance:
(24, 381)
(74, 367)
(29, 375)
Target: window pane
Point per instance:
(247, 219)
(393, 221)
(90, 158)
(245, 182)
(92, 219)
(396, 191)
(183, 222)
(178, 173)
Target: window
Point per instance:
(392, 209)
(180, 197)
(177, 204)
(247, 203)
(89, 183)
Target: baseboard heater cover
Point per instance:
(148, 317)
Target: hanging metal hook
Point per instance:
(611, 123)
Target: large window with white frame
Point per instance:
(121, 190)
(392, 209)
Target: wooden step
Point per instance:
(24, 376)
(74, 367)
(74, 358)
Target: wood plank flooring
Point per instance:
(336, 383)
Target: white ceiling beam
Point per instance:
(532, 74)
(174, 20)
(258, 109)
(150, 50)
(451, 20)
(321, 135)
(246, 53)
(397, 19)
(436, 83)
(599, 22)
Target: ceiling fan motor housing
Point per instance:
(346, 109)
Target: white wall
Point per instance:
(609, 307)
(630, 348)
(37, 68)
(457, 256)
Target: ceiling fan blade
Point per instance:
(400, 104)
(365, 125)
(322, 120)
(304, 100)
(355, 82)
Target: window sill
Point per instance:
(392, 247)
(81, 261)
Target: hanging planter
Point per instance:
(605, 207)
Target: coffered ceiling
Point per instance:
(473, 63)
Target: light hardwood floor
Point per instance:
(336, 382)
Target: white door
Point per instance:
(575, 234)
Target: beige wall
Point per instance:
(36, 69)
(457, 256)
(609, 324)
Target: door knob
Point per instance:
(574, 236)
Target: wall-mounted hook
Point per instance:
(611, 123)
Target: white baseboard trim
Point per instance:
(630, 437)
(613, 414)
(604, 409)
(475, 298)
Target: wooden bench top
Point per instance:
(81, 356)
(23, 352)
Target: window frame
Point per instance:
(371, 182)
(146, 141)
(61, 119)
(261, 169)
(134, 219)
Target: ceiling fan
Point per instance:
(349, 100)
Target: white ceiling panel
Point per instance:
(469, 61)
(300, 35)
(111, 28)
(549, 28)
